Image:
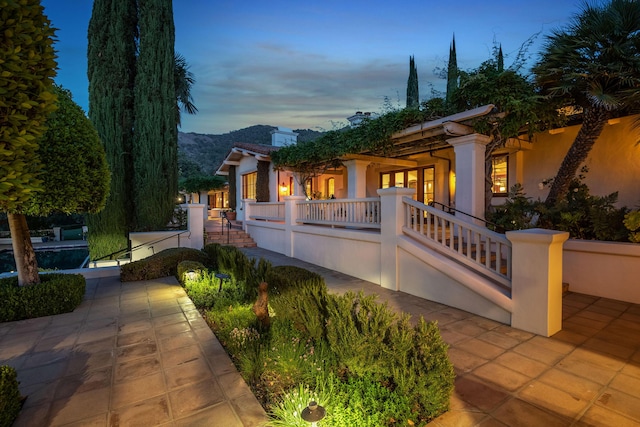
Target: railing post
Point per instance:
(195, 224)
(290, 218)
(391, 223)
(536, 284)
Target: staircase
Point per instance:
(233, 236)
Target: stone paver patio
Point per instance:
(140, 354)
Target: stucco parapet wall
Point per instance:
(401, 191)
(608, 248)
(537, 235)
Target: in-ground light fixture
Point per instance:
(313, 413)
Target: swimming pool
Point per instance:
(48, 259)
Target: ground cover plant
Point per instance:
(367, 365)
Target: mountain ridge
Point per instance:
(209, 150)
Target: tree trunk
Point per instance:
(592, 125)
(23, 253)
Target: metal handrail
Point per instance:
(140, 246)
(449, 209)
(224, 216)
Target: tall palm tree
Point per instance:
(594, 63)
(183, 80)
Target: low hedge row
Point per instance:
(10, 400)
(162, 264)
(56, 293)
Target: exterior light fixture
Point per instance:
(283, 188)
(191, 275)
(313, 413)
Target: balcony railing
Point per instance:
(481, 249)
(267, 211)
(355, 213)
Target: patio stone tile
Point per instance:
(476, 392)
(159, 312)
(142, 336)
(195, 397)
(603, 360)
(84, 361)
(597, 416)
(586, 370)
(579, 387)
(142, 326)
(578, 327)
(173, 329)
(183, 340)
(169, 319)
(46, 357)
(594, 315)
(179, 356)
(485, 323)
(625, 325)
(233, 385)
(221, 414)
(136, 351)
(521, 364)
(138, 389)
(468, 328)
(32, 416)
(570, 337)
(516, 412)
(481, 348)
(42, 373)
(621, 402)
(94, 421)
(626, 383)
(456, 418)
(501, 340)
(452, 336)
(464, 361)
(605, 310)
(148, 412)
(605, 347)
(249, 410)
(553, 399)
(517, 334)
(534, 351)
(136, 368)
(612, 304)
(90, 335)
(64, 331)
(79, 406)
(491, 422)
(187, 373)
(86, 381)
(552, 344)
(632, 369)
(502, 377)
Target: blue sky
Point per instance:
(310, 64)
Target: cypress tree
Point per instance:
(111, 70)
(500, 60)
(155, 148)
(413, 96)
(452, 72)
(262, 181)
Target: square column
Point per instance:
(357, 178)
(470, 173)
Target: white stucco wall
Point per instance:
(614, 162)
(604, 269)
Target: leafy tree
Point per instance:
(198, 183)
(26, 100)
(111, 70)
(520, 108)
(155, 147)
(594, 64)
(413, 95)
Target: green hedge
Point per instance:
(57, 293)
(10, 400)
(162, 264)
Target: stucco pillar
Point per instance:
(392, 221)
(290, 218)
(469, 151)
(536, 284)
(356, 178)
(195, 224)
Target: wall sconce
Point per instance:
(313, 413)
(284, 189)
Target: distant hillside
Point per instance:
(209, 151)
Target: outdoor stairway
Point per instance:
(230, 237)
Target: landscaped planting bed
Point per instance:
(365, 364)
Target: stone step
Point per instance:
(237, 238)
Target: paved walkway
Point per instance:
(139, 354)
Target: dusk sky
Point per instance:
(311, 64)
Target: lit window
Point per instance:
(331, 187)
(385, 180)
(249, 185)
(499, 175)
(429, 185)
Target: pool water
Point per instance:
(49, 259)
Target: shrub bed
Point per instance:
(57, 293)
(162, 264)
(10, 400)
(367, 365)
